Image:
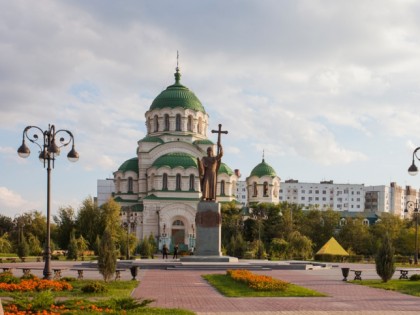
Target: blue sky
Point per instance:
(328, 89)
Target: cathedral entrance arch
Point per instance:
(178, 232)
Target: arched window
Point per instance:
(343, 222)
(149, 125)
(166, 122)
(178, 223)
(165, 181)
(192, 179)
(156, 120)
(222, 188)
(190, 123)
(118, 185)
(255, 193)
(178, 122)
(152, 182)
(130, 184)
(200, 125)
(178, 182)
(365, 222)
(265, 189)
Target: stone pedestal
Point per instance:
(208, 221)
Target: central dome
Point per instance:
(177, 95)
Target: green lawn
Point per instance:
(231, 288)
(402, 286)
(116, 297)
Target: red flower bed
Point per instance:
(35, 285)
(257, 282)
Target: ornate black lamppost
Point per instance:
(410, 204)
(49, 149)
(413, 170)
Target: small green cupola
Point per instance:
(263, 169)
(130, 165)
(177, 95)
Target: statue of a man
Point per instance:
(208, 168)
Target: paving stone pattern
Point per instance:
(186, 289)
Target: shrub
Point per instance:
(415, 277)
(94, 287)
(384, 260)
(107, 259)
(7, 277)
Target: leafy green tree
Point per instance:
(300, 246)
(22, 247)
(232, 223)
(354, 236)
(320, 226)
(236, 247)
(88, 222)
(72, 250)
(6, 224)
(279, 249)
(65, 221)
(110, 218)
(384, 260)
(107, 258)
(35, 248)
(5, 244)
(388, 224)
(152, 242)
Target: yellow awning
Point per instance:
(332, 247)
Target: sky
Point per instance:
(328, 90)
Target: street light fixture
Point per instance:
(413, 170)
(46, 141)
(410, 204)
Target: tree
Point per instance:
(6, 224)
(300, 246)
(232, 223)
(320, 226)
(72, 252)
(384, 260)
(354, 236)
(34, 244)
(107, 259)
(88, 222)
(5, 244)
(66, 223)
(22, 247)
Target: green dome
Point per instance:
(177, 95)
(152, 139)
(263, 169)
(173, 160)
(130, 165)
(225, 169)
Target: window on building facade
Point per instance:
(366, 222)
(310, 198)
(222, 188)
(255, 190)
(303, 191)
(317, 191)
(178, 182)
(178, 122)
(265, 189)
(156, 121)
(343, 222)
(130, 184)
(317, 198)
(310, 191)
(166, 122)
(190, 123)
(200, 126)
(324, 192)
(302, 198)
(192, 182)
(165, 181)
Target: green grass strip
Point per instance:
(231, 288)
(402, 286)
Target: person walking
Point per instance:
(175, 252)
(165, 251)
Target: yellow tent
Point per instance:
(332, 247)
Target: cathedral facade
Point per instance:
(159, 188)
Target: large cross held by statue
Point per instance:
(219, 132)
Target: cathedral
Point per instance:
(159, 188)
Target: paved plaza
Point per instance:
(186, 289)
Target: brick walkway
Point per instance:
(187, 290)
